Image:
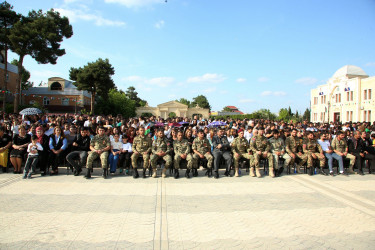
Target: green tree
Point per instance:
(95, 77)
(201, 101)
(172, 115)
(117, 103)
(263, 114)
(39, 35)
(133, 95)
(184, 101)
(306, 115)
(226, 109)
(8, 17)
(283, 114)
(25, 76)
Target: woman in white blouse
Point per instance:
(126, 152)
(116, 147)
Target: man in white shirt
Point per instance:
(248, 133)
(330, 155)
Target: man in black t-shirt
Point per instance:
(5, 144)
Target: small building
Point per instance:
(61, 96)
(181, 110)
(347, 96)
(234, 109)
(11, 78)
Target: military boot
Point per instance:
(236, 172)
(176, 174)
(135, 173)
(164, 173)
(271, 173)
(252, 174)
(144, 173)
(350, 170)
(88, 174)
(104, 174)
(154, 173)
(257, 172)
(195, 172)
(187, 173)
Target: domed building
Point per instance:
(347, 96)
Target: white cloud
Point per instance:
(223, 92)
(209, 90)
(306, 80)
(135, 3)
(241, 80)
(75, 15)
(370, 64)
(263, 79)
(159, 24)
(246, 101)
(206, 78)
(273, 93)
(157, 81)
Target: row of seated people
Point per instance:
(50, 151)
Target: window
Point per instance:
(347, 96)
(365, 94)
(369, 94)
(339, 97)
(351, 95)
(351, 116)
(347, 115)
(45, 100)
(369, 115)
(56, 86)
(65, 101)
(321, 100)
(324, 99)
(8, 77)
(315, 116)
(364, 115)
(315, 100)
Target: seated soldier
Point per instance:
(313, 150)
(278, 151)
(293, 147)
(99, 147)
(141, 147)
(241, 149)
(161, 149)
(340, 147)
(182, 151)
(202, 150)
(261, 149)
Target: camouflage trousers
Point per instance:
(244, 155)
(351, 159)
(167, 158)
(276, 159)
(93, 155)
(257, 158)
(146, 159)
(310, 158)
(208, 156)
(302, 157)
(177, 159)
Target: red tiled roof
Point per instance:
(232, 107)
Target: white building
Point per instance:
(347, 96)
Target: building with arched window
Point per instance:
(347, 96)
(61, 96)
(11, 79)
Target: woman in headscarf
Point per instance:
(42, 155)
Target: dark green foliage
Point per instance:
(133, 95)
(25, 76)
(201, 101)
(117, 103)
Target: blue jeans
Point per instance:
(330, 158)
(113, 159)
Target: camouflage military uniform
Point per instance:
(313, 148)
(278, 145)
(182, 147)
(161, 145)
(342, 147)
(202, 146)
(242, 147)
(293, 145)
(141, 145)
(260, 143)
(99, 143)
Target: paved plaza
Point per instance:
(291, 212)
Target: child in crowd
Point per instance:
(32, 158)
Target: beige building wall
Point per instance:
(347, 96)
(181, 110)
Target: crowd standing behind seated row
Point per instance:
(49, 141)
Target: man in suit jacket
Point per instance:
(221, 148)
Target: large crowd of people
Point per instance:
(43, 143)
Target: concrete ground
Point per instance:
(291, 212)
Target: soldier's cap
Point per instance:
(240, 130)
